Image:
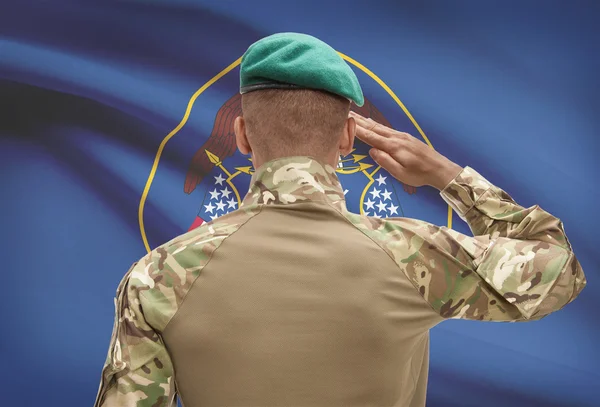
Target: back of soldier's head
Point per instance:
(284, 122)
(296, 93)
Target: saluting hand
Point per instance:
(406, 158)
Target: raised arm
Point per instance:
(518, 266)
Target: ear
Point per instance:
(241, 138)
(347, 139)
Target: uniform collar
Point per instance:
(295, 179)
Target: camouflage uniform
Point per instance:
(292, 300)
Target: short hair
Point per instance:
(286, 122)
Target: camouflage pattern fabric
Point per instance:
(138, 370)
(518, 266)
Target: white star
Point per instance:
(214, 194)
(386, 195)
(382, 207)
(375, 216)
(367, 214)
(392, 209)
(369, 204)
(375, 192)
(346, 191)
(213, 217)
(232, 203)
(220, 206)
(381, 179)
(209, 207)
(225, 192)
(219, 180)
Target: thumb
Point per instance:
(388, 163)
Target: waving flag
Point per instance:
(222, 192)
(220, 174)
(116, 136)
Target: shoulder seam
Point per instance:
(394, 261)
(260, 207)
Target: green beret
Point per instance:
(296, 61)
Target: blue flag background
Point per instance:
(103, 153)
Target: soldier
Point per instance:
(294, 301)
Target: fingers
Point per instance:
(374, 139)
(372, 133)
(380, 129)
(366, 124)
(379, 136)
(372, 125)
(388, 163)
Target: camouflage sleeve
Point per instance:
(138, 370)
(519, 266)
